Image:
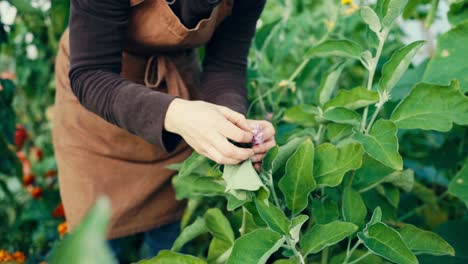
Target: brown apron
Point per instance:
(97, 158)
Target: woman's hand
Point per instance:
(268, 141)
(207, 127)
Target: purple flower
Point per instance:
(258, 136)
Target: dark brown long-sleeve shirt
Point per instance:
(97, 36)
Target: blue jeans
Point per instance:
(152, 241)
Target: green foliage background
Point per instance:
(309, 87)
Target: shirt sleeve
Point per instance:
(225, 65)
(97, 36)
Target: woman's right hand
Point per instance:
(207, 127)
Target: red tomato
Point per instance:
(20, 136)
(28, 179)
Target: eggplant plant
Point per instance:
(332, 192)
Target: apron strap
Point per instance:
(166, 71)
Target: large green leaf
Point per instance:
(325, 211)
(255, 247)
(456, 233)
(284, 152)
(241, 177)
(353, 99)
(397, 65)
(322, 236)
(372, 173)
(381, 143)
(219, 225)
(342, 115)
(191, 164)
(353, 208)
(296, 225)
(386, 242)
(331, 163)
(432, 107)
(328, 84)
(167, 256)
(394, 8)
(340, 48)
(459, 184)
(298, 181)
(194, 186)
(87, 243)
(449, 62)
(424, 242)
(371, 18)
(303, 115)
(273, 216)
(270, 156)
(336, 132)
(218, 251)
(190, 232)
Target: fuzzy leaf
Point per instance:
(328, 84)
(353, 99)
(284, 152)
(382, 143)
(219, 225)
(89, 238)
(273, 217)
(394, 9)
(190, 232)
(331, 163)
(322, 236)
(195, 186)
(325, 211)
(298, 181)
(353, 208)
(424, 242)
(242, 177)
(432, 107)
(459, 184)
(342, 115)
(386, 242)
(303, 115)
(340, 48)
(397, 65)
(265, 241)
(296, 225)
(371, 18)
(166, 256)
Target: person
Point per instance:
(132, 97)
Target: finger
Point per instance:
(263, 148)
(216, 156)
(236, 118)
(258, 166)
(257, 157)
(233, 132)
(228, 150)
(268, 128)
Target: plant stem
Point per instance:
(360, 258)
(372, 68)
(242, 228)
(325, 256)
(318, 135)
(272, 187)
(350, 252)
(374, 116)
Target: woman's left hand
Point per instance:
(268, 142)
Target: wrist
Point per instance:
(172, 114)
